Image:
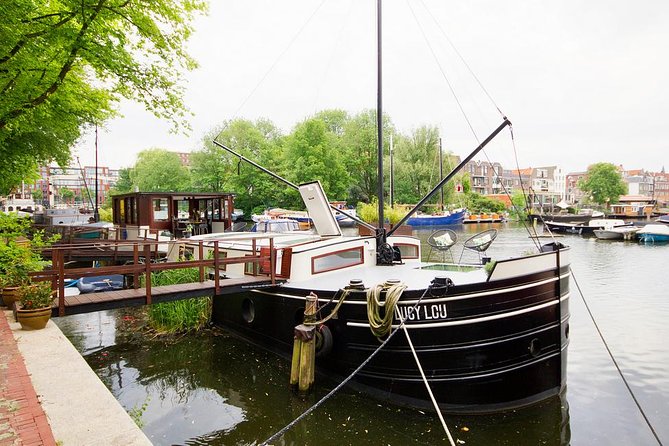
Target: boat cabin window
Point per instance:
(121, 210)
(407, 251)
(160, 211)
(337, 260)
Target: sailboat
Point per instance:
(488, 337)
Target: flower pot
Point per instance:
(10, 295)
(33, 319)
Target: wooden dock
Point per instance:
(143, 261)
(110, 300)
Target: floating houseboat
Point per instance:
(180, 213)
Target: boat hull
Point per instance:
(484, 347)
(455, 218)
(653, 238)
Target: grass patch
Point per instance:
(182, 315)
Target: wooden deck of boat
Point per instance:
(108, 300)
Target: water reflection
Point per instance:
(214, 389)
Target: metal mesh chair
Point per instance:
(442, 240)
(479, 242)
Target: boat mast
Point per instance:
(441, 174)
(392, 179)
(379, 122)
(448, 177)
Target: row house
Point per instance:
(546, 187)
(54, 180)
(572, 193)
(485, 177)
(654, 185)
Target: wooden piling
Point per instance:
(303, 364)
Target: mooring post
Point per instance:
(303, 364)
(217, 266)
(147, 272)
(200, 253)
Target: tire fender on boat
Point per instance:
(324, 340)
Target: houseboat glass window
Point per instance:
(121, 210)
(408, 251)
(132, 210)
(160, 211)
(337, 260)
(215, 212)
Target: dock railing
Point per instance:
(147, 257)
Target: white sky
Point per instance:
(582, 81)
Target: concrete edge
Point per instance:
(79, 407)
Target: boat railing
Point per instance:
(144, 257)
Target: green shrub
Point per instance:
(179, 316)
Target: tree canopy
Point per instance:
(604, 183)
(65, 63)
(158, 170)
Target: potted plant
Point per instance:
(14, 277)
(36, 301)
(19, 255)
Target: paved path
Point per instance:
(48, 391)
(22, 420)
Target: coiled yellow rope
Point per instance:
(380, 313)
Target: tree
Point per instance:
(604, 183)
(66, 195)
(416, 164)
(334, 119)
(211, 168)
(124, 183)
(65, 63)
(360, 146)
(260, 142)
(158, 170)
(314, 153)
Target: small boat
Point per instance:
(663, 219)
(96, 284)
(654, 233)
(583, 216)
(276, 225)
(450, 218)
(617, 233)
(343, 221)
(584, 228)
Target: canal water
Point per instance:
(215, 389)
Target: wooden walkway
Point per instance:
(109, 300)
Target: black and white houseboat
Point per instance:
(489, 337)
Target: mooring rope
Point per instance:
(427, 385)
(347, 379)
(342, 298)
(381, 324)
(615, 363)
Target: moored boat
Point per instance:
(490, 338)
(654, 233)
(484, 336)
(584, 228)
(455, 217)
(617, 233)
